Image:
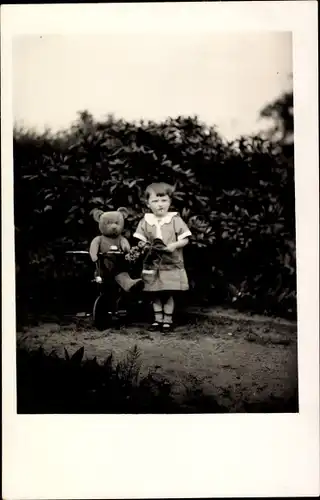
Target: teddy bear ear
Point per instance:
(96, 213)
(124, 211)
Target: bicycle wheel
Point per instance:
(101, 315)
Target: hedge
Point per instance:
(237, 198)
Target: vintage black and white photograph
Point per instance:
(160, 227)
(154, 212)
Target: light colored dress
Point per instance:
(167, 273)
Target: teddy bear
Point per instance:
(112, 246)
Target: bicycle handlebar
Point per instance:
(86, 252)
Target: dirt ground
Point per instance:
(236, 358)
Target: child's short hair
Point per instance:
(159, 189)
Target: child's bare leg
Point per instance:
(168, 308)
(157, 310)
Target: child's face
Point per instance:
(159, 205)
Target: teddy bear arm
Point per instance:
(94, 248)
(124, 244)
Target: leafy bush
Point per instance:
(237, 198)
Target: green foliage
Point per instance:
(237, 198)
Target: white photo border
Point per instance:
(171, 456)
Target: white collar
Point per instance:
(154, 221)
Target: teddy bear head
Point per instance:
(111, 223)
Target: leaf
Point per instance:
(74, 208)
(97, 200)
(108, 362)
(48, 196)
(30, 177)
(47, 207)
(77, 356)
(278, 227)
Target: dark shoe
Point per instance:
(155, 327)
(167, 327)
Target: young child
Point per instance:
(166, 275)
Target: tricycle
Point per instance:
(112, 305)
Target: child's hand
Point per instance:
(178, 244)
(171, 247)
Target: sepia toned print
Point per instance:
(214, 328)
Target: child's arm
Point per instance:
(182, 232)
(177, 244)
(140, 232)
